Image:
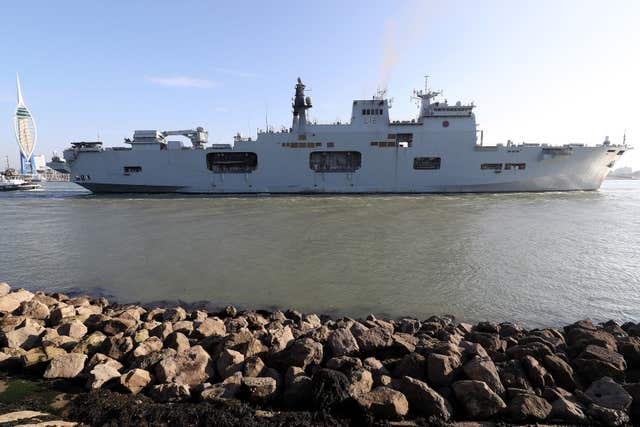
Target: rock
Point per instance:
(596, 362)
(150, 361)
(184, 326)
(190, 367)
(536, 350)
(528, 407)
(61, 312)
(169, 392)
(607, 417)
(409, 326)
(135, 380)
(74, 329)
(9, 323)
(100, 374)
(607, 393)
(11, 301)
(174, 314)
(344, 364)
(477, 398)
(329, 389)
(537, 374)
(258, 389)
(253, 367)
(491, 342)
(34, 309)
(360, 381)
(471, 349)
(341, 342)
(385, 402)
(148, 346)
(412, 365)
(483, 369)
(512, 374)
(562, 372)
(26, 337)
(65, 366)
(634, 390)
(119, 325)
(4, 289)
(441, 369)
(162, 331)
(227, 389)
(302, 352)
(117, 346)
(374, 339)
(208, 327)
(35, 357)
(423, 399)
(229, 362)
(297, 394)
(177, 341)
(629, 348)
(100, 358)
(141, 336)
(91, 343)
(566, 411)
(279, 338)
(579, 336)
(255, 348)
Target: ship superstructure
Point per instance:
(439, 151)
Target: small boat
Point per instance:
(10, 181)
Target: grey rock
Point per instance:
(536, 373)
(191, 367)
(26, 337)
(65, 366)
(177, 341)
(423, 399)
(607, 417)
(229, 362)
(174, 314)
(11, 301)
(562, 372)
(253, 367)
(609, 394)
(208, 327)
(148, 346)
(259, 389)
(441, 369)
(135, 380)
(101, 374)
(341, 342)
(169, 392)
(360, 382)
(477, 398)
(227, 389)
(74, 329)
(34, 309)
(117, 346)
(374, 339)
(528, 407)
(483, 369)
(566, 411)
(384, 402)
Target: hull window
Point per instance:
(426, 163)
(491, 166)
(520, 166)
(132, 169)
(335, 161)
(232, 162)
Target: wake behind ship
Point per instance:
(438, 152)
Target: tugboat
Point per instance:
(11, 181)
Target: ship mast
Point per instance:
(300, 106)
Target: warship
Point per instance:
(439, 151)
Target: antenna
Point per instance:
(266, 116)
(624, 137)
(20, 101)
(426, 83)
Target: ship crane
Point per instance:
(198, 136)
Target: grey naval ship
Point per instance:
(439, 151)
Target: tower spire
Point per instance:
(20, 100)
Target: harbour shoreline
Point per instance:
(103, 363)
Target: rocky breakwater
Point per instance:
(373, 369)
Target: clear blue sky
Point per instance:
(539, 71)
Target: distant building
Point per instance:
(26, 133)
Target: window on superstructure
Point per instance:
(426, 163)
(491, 166)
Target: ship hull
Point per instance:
(382, 171)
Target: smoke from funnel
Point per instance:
(413, 29)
